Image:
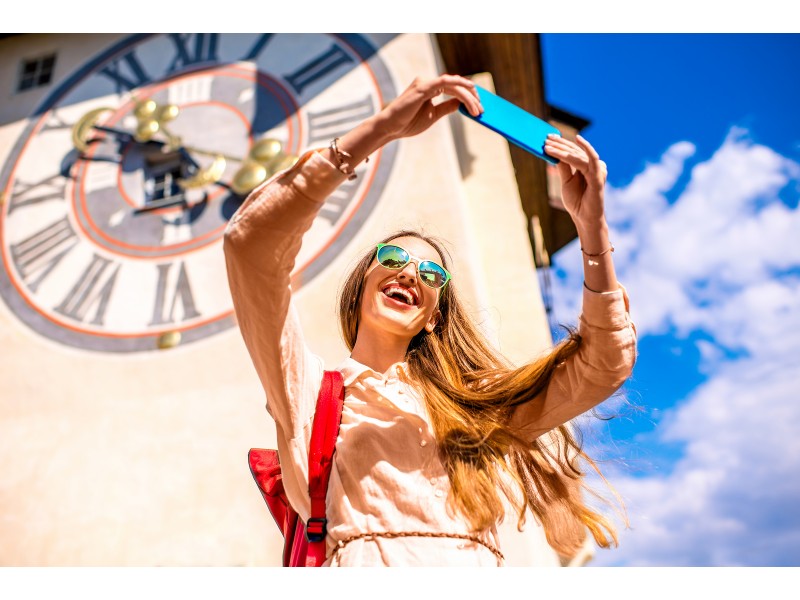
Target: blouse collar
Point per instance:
(351, 370)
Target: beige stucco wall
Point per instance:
(140, 459)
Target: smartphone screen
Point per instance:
(514, 123)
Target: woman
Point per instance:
(437, 431)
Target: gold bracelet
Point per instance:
(606, 251)
(341, 157)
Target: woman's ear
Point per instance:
(432, 322)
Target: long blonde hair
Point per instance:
(471, 391)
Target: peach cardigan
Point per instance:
(387, 476)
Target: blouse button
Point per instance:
(423, 443)
(438, 493)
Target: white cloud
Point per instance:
(732, 499)
(682, 261)
(723, 258)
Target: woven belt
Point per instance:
(398, 534)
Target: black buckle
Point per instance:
(316, 529)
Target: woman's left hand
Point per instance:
(583, 178)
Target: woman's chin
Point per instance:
(397, 323)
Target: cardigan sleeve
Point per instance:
(600, 366)
(261, 243)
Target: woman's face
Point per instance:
(395, 302)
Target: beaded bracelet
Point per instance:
(341, 157)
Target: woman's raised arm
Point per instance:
(606, 355)
(411, 113)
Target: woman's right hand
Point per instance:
(413, 111)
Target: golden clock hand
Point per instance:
(83, 128)
(152, 118)
(263, 151)
(253, 173)
(200, 151)
(265, 158)
(249, 176)
(205, 176)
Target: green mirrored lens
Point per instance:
(432, 274)
(392, 257)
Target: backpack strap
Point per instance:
(325, 430)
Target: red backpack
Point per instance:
(304, 543)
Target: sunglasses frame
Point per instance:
(417, 263)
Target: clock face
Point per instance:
(117, 194)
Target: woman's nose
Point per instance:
(409, 272)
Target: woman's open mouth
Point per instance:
(401, 295)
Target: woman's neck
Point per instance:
(379, 352)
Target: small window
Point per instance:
(36, 72)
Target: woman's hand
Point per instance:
(413, 111)
(583, 178)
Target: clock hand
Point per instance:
(202, 152)
(264, 159)
(162, 203)
(120, 133)
(205, 176)
(128, 137)
(152, 118)
(84, 126)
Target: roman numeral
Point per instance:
(338, 201)
(258, 47)
(193, 48)
(317, 68)
(39, 254)
(335, 122)
(127, 72)
(53, 188)
(195, 89)
(178, 292)
(92, 290)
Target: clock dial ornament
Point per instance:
(118, 191)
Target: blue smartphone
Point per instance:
(513, 123)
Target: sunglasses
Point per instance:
(430, 273)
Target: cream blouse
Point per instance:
(387, 476)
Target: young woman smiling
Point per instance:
(437, 430)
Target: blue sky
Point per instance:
(701, 134)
